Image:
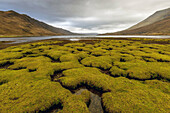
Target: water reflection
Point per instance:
(74, 38)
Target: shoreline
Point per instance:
(21, 36)
(137, 35)
(5, 44)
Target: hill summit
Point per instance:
(15, 24)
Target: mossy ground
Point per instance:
(132, 76)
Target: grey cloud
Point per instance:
(86, 15)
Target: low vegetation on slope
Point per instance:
(161, 27)
(14, 24)
(156, 24)
(131, 76)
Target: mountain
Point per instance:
(15, 24)
(157, 16)
(156, 24)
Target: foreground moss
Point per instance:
(30, 96)
(136, 101)
(131, 76)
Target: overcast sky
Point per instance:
(87, 16)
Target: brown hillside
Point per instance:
(156, 24)
(157, 16)
(15, 24)
(158, 28)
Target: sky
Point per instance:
(87, 16)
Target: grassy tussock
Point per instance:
(145, 70)
(136, 101)
(85, 76)
(104, 62)
(30, 96)
(163, 86)
(26, 71)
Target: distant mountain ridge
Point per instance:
(15, 24)
(156, 24)
(157, 16)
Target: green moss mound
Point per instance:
(144, 70)
(136, 101)
(129, 75)
(104, 62)
(30, 96)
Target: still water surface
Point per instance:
(75, 38)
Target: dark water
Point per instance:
(74, 38)
(95, 101)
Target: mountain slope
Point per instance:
(161, 27)
(15, 24)
(156, 24)
(157, 16)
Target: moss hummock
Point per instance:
(129, 75)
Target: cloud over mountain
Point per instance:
(87, 15)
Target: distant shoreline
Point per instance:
(136, 34)
(4, 44)
(20, 36)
